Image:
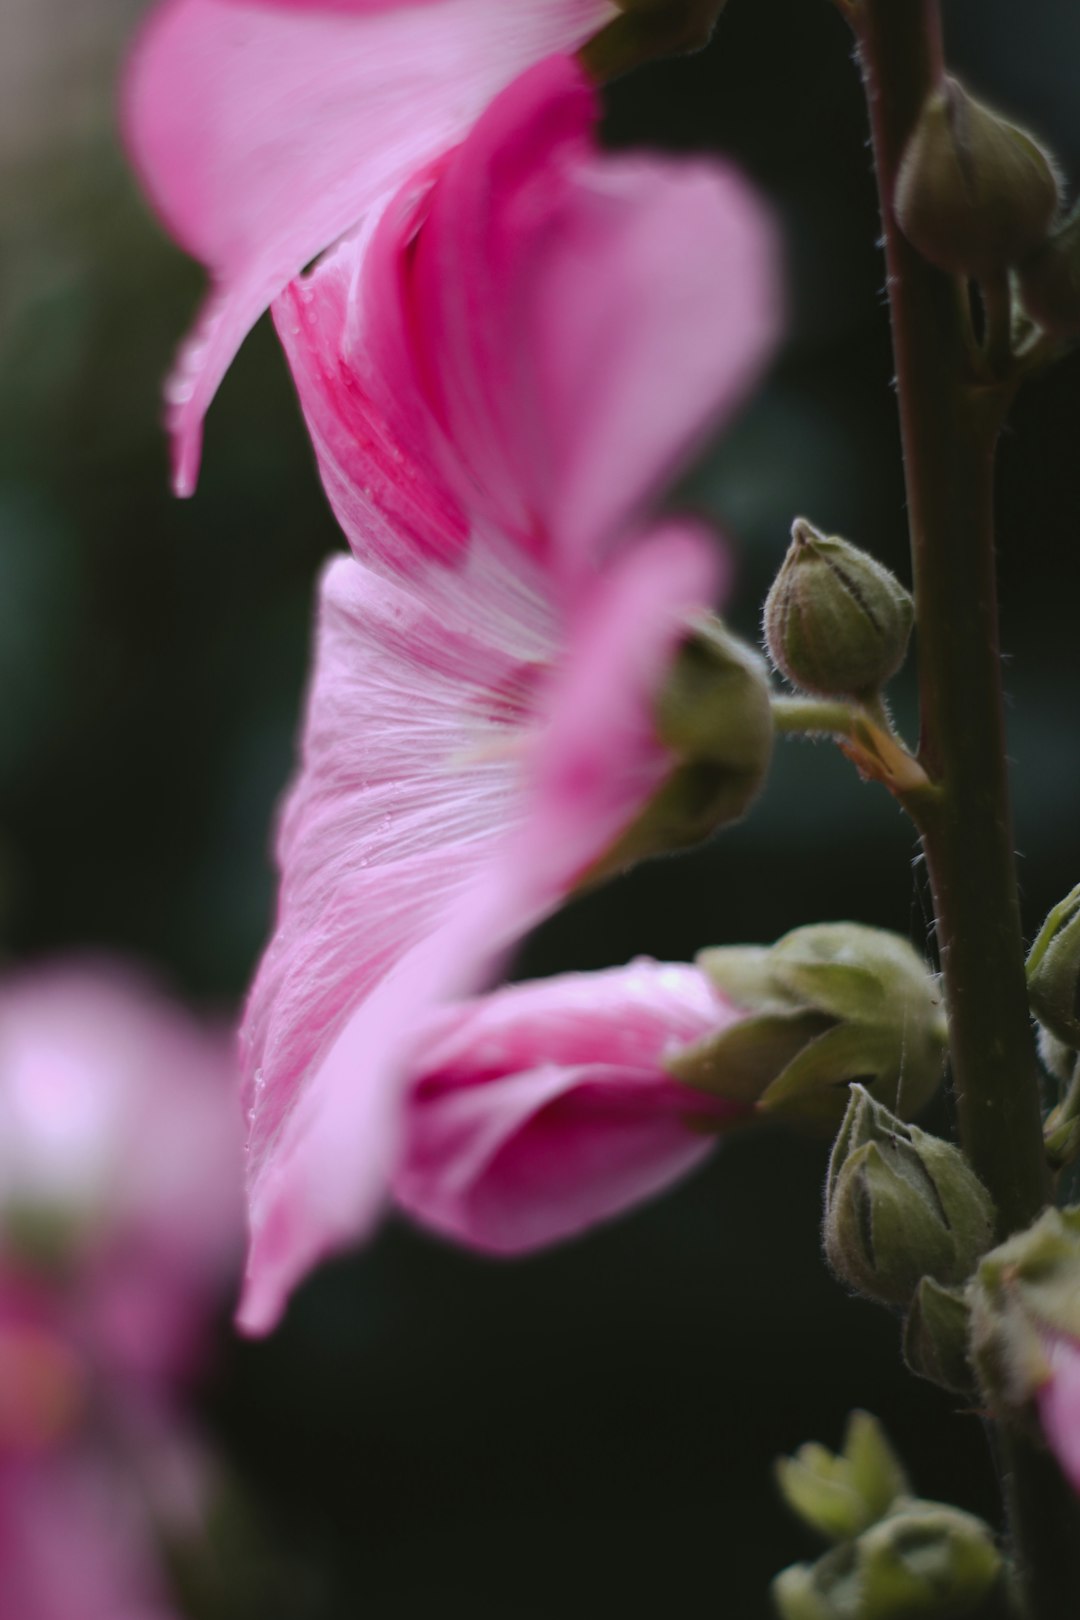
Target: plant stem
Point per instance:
(950, 422)
(950, 419)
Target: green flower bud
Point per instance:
(924, 1561)
(1026, 1295)
(1049, 281)
(715, 714)
(936, 1332)
(900, 1205)
(830, 1004)
(1053, 971)
(841, 1494)
(975, 194)
(836, 622)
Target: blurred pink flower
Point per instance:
(75, 1544)
(120, 1217)
(119, 1158)
(545, 1107)
(1058, 1401)
(497, 378)
(264, 130)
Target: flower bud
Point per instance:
(831, 1003)
(1053, 972)
(974, 193)
(925, 1561)
(1049, 281)
(936, 1332)
(900, 1205)
(841, 1494)
(836, 622)
(1025, 1302)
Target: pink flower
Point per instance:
(74, 1543)
(120, 1216)
(545, 1107)
(497, 378)
(264, 130)
(120, 1155)
(1058, 1400)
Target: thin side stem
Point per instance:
(950, 419)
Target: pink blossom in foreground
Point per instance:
(264, 130)
(497, 379)
(1059, 1403)
(545, 1107)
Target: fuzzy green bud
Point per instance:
(841, 1494)
(836, 622)
(1053, 972)
(936, 1332)
(714, 712)
(1049, 281)
(925, 1561)
(900, 1205)
(974, 194)
(829, 1004)
(1025, 1296)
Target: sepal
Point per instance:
(830, 1004)
(714, 713)
(1049, 281)
(1053, 971)
(841, 1494)
(937, 1330)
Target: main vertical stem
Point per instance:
(950, 420)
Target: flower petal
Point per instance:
(1059, 1405)
(263, 132)
(428, 829)
(570, 388)
(544, 1107)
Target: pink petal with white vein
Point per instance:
(427, 831)
(544, 1108)
(262, 133)
(479, 731)
(1059, 1405)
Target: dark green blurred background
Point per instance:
(588, 1433)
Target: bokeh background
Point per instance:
(590, 1432)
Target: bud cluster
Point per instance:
(895, 1557)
